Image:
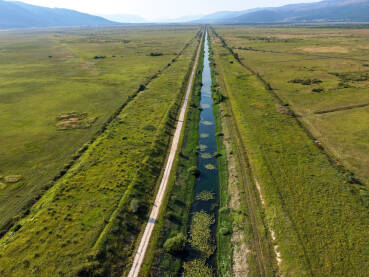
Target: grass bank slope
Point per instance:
(318, 215)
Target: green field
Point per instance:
(45, 74)
(338, 58)
(80, 225)
(316, 209)
(87, 117)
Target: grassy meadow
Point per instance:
(48, 73)
(315, 209)
(323, 74)
(88, 222)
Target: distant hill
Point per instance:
(324, 11)
(223, 15)
(21, 15)
(125, 18)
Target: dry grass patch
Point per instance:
(12, 179)
(333, 49)
(74, 120)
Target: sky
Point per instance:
(160, 9)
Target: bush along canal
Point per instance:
(201, 246)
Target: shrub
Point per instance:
(172, 216)
(306, 82)
(194, 171)
(225, 231)
(223, 210)
(149, 128)
(317, 90)
(142, 87)
(175, 244)
(153, 54)
(134, 205)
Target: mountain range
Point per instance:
(21, 15)
(324, 11)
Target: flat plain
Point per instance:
(117, 90)
(315, 210)
(87, 116)
(51, 73)
(323, 74)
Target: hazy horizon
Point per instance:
(160, 9)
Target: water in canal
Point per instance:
(207, 163)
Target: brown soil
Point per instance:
(281, 109)
(240, 248)
(333, 49)
(74, 120)
(12, 179)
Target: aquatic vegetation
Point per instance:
(197, 268)
(200, 233)
(210, 167)
(206, 156)
(205, 196)
(207, 123)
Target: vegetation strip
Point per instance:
(308, 200)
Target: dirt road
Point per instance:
(140, 254)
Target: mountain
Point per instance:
(21, 15)
(183, 19)
(324, 11)
(223, 15)
(125, 18)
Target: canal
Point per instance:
(206, 187)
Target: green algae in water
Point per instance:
(202, 147)
(197, 268)
(207, 123)
(205, 196)
(210, 167)
(205, 106)
(201, 237)
(204, 135)
(206, 156)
